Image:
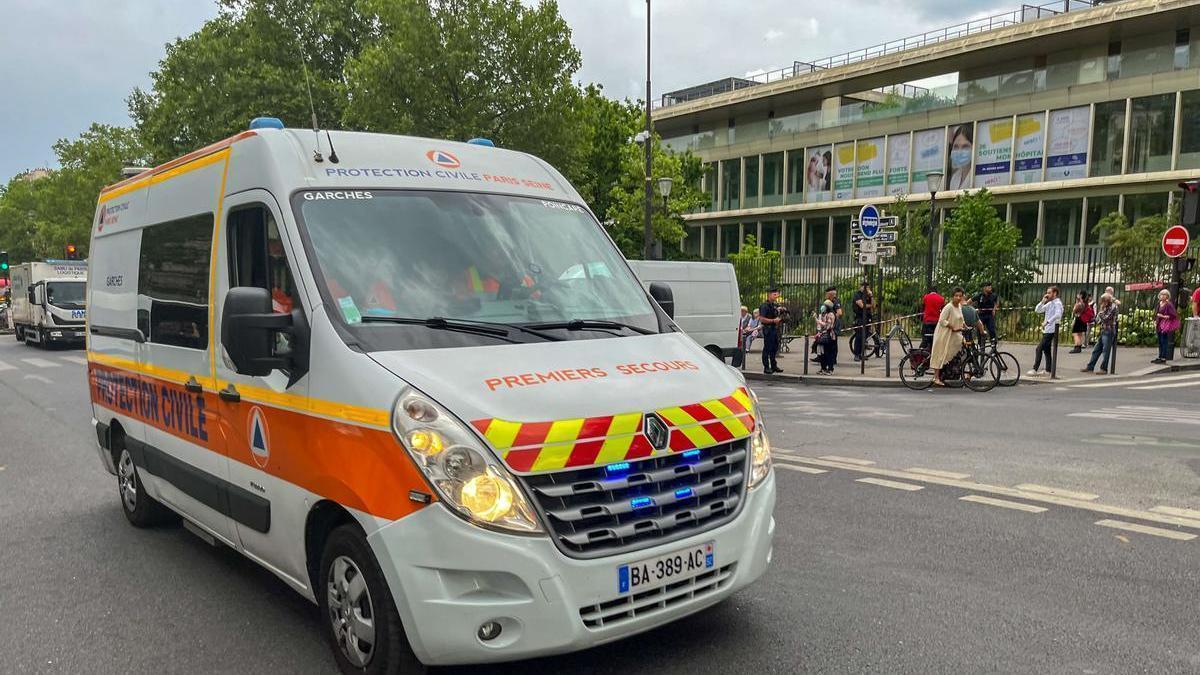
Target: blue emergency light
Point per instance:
(691, 454)
(485, 142)
(641, 502)
(616, 469)
(683, 493)
(266, 123)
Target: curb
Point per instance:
(843, 381)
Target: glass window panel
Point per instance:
(1152, 128)
(1142, 205)
(731, 184)
(173, 273)
(1098, 208)
(1189, 141)
(772, 179)
(818, 236)
(710, 185)
(1108, 138)
(796, 174)
(730, 239)
(1183, 40)
(691, 241)
(770, 235)
(1146, 54)
(750, 199)
(841, 235)
(1024, 216)
(710, 242)
(1061, 220)
(795, 229)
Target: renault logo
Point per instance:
(656, 432)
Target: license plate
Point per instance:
(662, 570)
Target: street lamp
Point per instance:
(664, 189)
(647, 230)
(934, 178)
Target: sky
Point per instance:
(67, 63)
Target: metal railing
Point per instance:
(1023, 14)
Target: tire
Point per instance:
(140, 509)
(916, 377)
(1010, 369)
(984, 372)
(716, 352)
(353, 593)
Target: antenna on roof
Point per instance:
(313, 109)
(332, 153)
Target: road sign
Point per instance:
(886, 236)
(1175, 241)
(868, 221)
(886, 251)
(868, 259)
(868, 246)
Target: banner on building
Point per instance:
(869, 168)
(993, 152)
(843, 171)
(927, 155)
(818, 173)
(1031, 136)
(898, 152)
(960, 139)
(1068, 142)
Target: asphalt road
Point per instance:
(867, 576)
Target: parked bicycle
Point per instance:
(1010, 368)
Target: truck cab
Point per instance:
(49, 302)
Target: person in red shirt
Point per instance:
(931, 311)
(1196, 301)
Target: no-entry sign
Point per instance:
(1175, 241)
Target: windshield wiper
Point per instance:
(593, 324)
(489, 328)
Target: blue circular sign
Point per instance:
(868, 221)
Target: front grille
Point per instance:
(591, 514)
(654, 600)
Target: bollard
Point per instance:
(887, 356)
(1112, 361)
(862, 349)
(1054, 352)
(806, 353)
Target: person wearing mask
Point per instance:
(1166, 321)
(986, 304)
(931, 312)
(768, 315)
(947, 338)
(959, 176)
(1084, 314)
(826, 337)
(1106, 318)
(862, 304)
(1052, 310)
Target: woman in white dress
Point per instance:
(947, 339)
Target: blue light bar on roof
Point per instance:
(266, 123)
(485, 142)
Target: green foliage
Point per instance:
(627, 198)
(607, 127)
(756, 269)
(981, 247)
(1131, 247)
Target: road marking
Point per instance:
(1003, 503)
(1131, 380)
(1139, 413)
(39, 378)
(801, 469)
(1118, 511)
(1146, 529)
(5, 366)
(1057, 492)
(1173, 511)
(1192, 383)
(75, 359)
(891, 484)
(40, 363)
(847, 460)
(940, 474)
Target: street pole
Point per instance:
(929, 256)
(647, 229)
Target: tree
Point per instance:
(1133, 248)
(980, 246)
(458, 69)
(756, 268)
(626, 211)
(607, 127)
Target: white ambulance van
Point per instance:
(417, 381)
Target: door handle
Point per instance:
(193, 386)
(230, 394)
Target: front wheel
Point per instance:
(914, 370)
(1010, 369)
(359, 616)
(981, 373)
(140, 509)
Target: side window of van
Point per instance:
(257, 258)
(173, 272)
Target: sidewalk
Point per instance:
(1131, 361)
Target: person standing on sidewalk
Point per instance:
(1084, 314)
(1052, 309)
(1166, 320)
(931, 312)
(739, 359)
(1107, 319)
(768, 315)
(1196, 301)
(986, 305)
(826, 338)
(863, 302)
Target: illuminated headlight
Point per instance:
(466, 475)
(760, 447)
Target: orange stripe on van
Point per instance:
(358, 467)
(174, 167)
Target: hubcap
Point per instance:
(127, 481)
(350, 611)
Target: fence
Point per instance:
(802, 281)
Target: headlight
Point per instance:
(760, 446)
(466, 475)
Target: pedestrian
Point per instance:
(753, 330)
(1111, 291)
(1106, 318)
(826, 337)
(931, 312)
(863, 304)
(768, 316)
(1052, 310)
(1196, 301)
(1083, 313)
(973, 324)
(986, 304)
(947, 338)
(1166, 321)
(739, 357)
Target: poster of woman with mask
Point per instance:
(958, 165)
(817, 174)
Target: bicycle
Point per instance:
(1010, 367)
(970, 366)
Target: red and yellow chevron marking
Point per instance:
(532, 447)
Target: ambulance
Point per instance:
(416, 381)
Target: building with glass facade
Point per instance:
(1065, 112)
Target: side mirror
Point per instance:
(248, 327)
(664, 297)
(29, 293)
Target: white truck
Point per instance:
(707, 305)
(48, 302)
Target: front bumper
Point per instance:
(448, 577)
(64, 333)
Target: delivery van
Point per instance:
(707, 304)
(48, 306)
(416, 381)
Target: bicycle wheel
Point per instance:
(914, 370)
(982, 372)
(1010, 369)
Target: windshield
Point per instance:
(469, 257)
(65, 292)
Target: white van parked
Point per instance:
(416, 381)
(707, 303)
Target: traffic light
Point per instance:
(4, 263)
(71, 251)
(1189, 215)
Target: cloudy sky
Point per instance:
(67, 63)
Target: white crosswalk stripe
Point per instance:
(75, 359)
(1149, 382)
(1139, 413)
(40, 363)
(6, 366)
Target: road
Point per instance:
(877, 567)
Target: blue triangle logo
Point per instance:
(258, 443)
